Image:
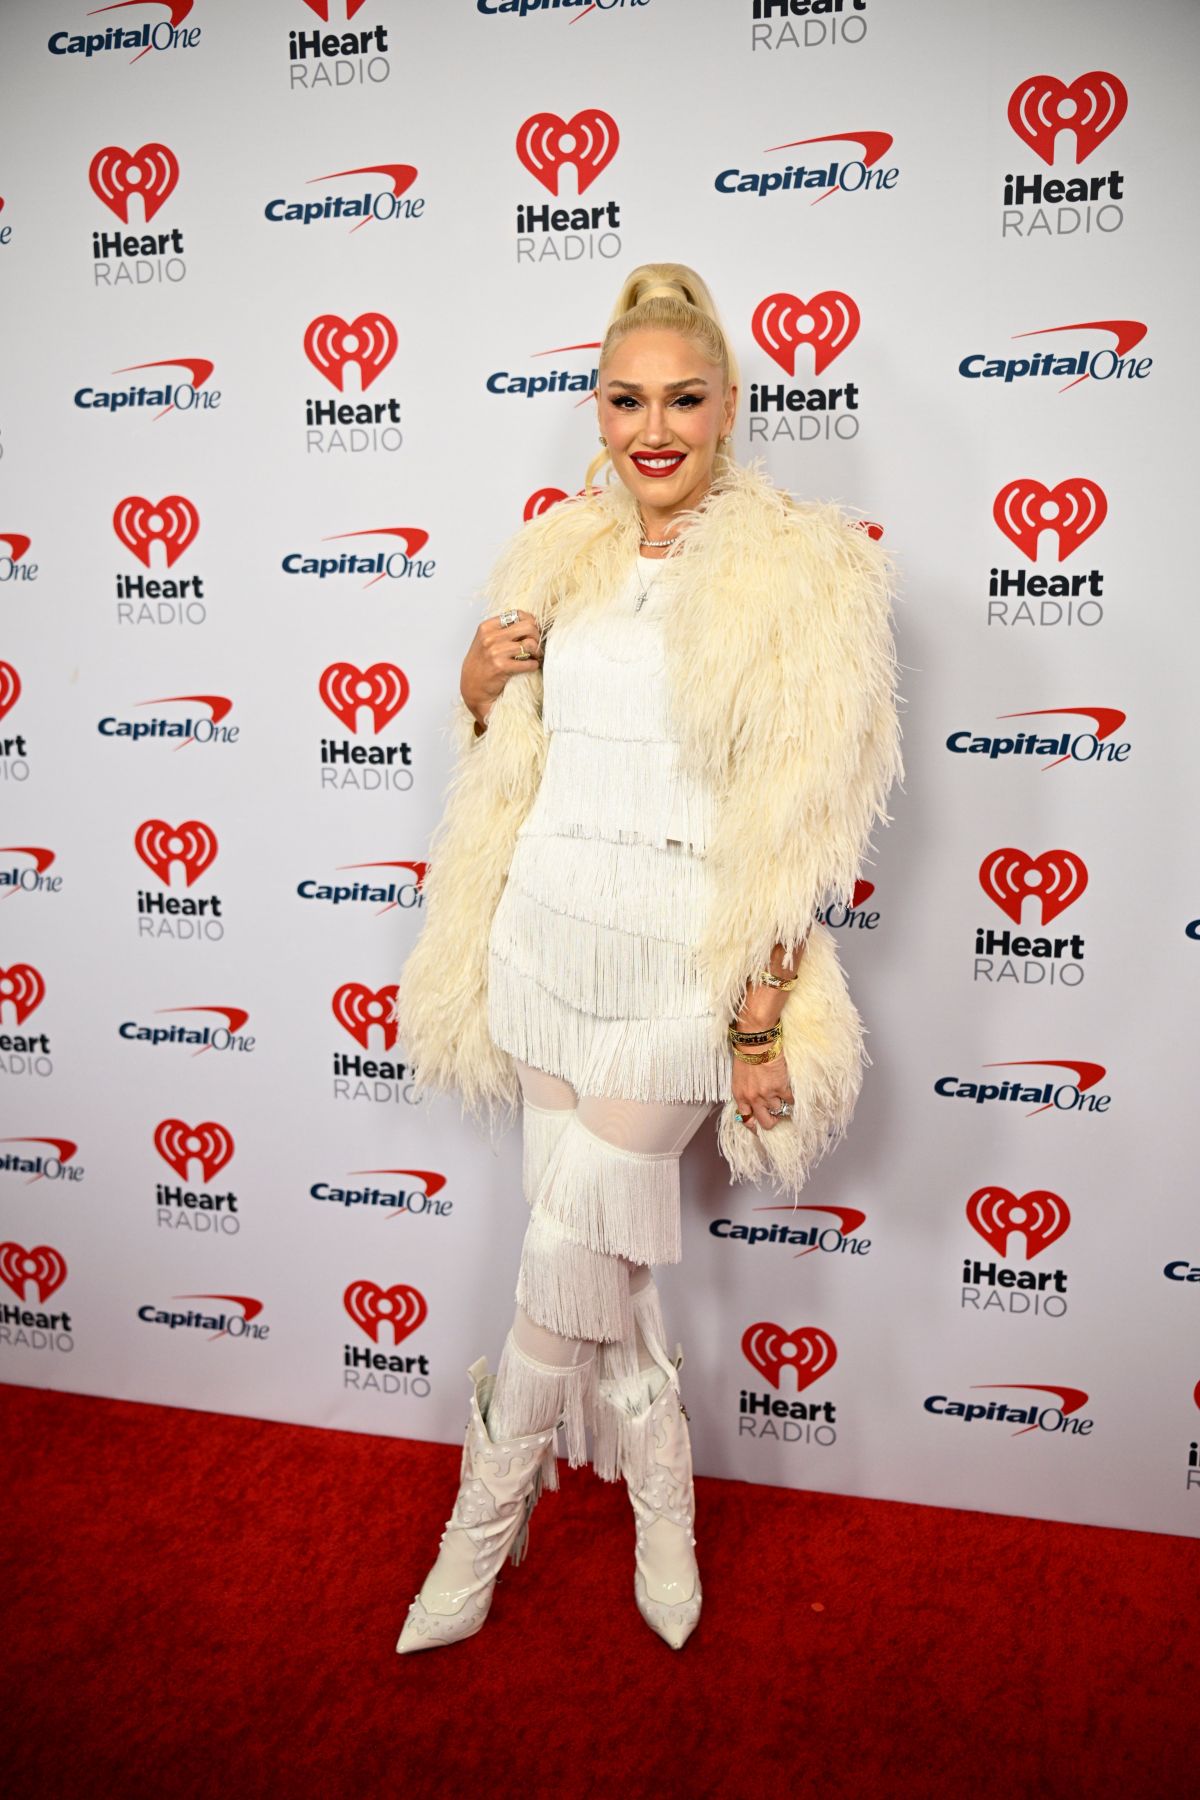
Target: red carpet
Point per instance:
(199, 1605)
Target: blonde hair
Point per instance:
(667, 297)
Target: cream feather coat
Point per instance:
(782, 674)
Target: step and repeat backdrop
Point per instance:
(302, 303)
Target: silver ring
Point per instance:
(785, 1111)
(508, 617)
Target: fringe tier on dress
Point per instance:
(591, 977)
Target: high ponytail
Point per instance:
(667, 297)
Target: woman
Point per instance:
(677, 728)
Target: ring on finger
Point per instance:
(508, 617)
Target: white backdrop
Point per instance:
(156, 164)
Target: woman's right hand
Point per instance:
(492, 659)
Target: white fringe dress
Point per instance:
(591, 967)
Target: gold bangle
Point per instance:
(764, 978)
(766, 1056)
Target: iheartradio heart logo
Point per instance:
(383, 688)
(193, 844)
(44, 1266)
(546, 144)
(211, 1144)
(23, 988)
(173, 523)
(782, 322)
(1039, 1216)
(117, 175)
(542, 501)
(321, 8)
(10, 688)
(1072, 511)
(1056, 878)
(330, 344)
(808, 1351)
(370, 1306)
(1092, 107)
(356, 1008)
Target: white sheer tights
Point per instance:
(543, 1375)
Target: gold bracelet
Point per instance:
(764, 978)
(766, 1056)
(755, 1031)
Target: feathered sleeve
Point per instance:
(813, 743)
(440, 1005)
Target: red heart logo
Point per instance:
(370, 1306)
(178, 1143)
(10, 688)
(1092, 107)
(1039, 1216)
(321, 8)
(546, 143)
(330, 344)
(383, 688)
(116, 175)
(193, 844)
(173, 523)
(1073, 511)
(44, 1266)
(782, 322)
(808, 1351)
(23, 987)
(1056, 878)
(356, 1008)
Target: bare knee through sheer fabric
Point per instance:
(601, 1177)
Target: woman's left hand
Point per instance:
(759, 1089)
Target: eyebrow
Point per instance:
(635, 387)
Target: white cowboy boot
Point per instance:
(656, 1459)
(499, 1485)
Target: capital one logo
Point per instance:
(1039, 1216)
(332, 343)
(139, 524)
(17, 543)
(587, 142)
(357, 1008)
(371, 1307)
(808, 1351)
(783, 322)
(193, 845)
(210, 1144)
(1073, 510)
(22, 989)
(1057, 878)
(43, 1266)
(118, 175)
(10, 688)
(1092, 107)
(383, 689)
